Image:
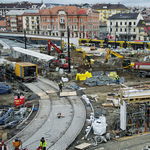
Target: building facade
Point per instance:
(14, 20)
(107, 10)
(83, 22)
(123, 26)
(143, 30)
(32, 21)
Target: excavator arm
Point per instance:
(114, 53)
(51, 44)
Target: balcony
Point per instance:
(62, 30)
(13, 25)
(104, 16)
(27, 19)
(62, 20)
(13, 20)
(19, 24)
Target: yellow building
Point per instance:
(107, 10)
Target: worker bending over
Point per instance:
(60, 86)
(3, 146)
(43, 144)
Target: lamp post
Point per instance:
(68, 30)
(25, 38)
(83, 31)
(115, 35)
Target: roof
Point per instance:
(109, 6)
(19, 5)
(32, 13)
(2, 23)
(124, 16)
(34, 54)
(15, 12)
(70, 10)
(102, 24)
(143, 23)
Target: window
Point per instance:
(13, 23)
(48, 26)
(32, 22)
(44, 27)
(134, 23)
(56, 26)
(120, 23)
(13, 18)
(75, 26)
(80, 19)
(52, 20)
(125, 30)
(32, 17)
(72, 26)
(74, 20)
(134, 30)
(125, 23)
(71, 20)
(53, 27)
(110, 29)
(120, 29)
(130, 23)
(47, 20)
(32, 27)
(116, 24)
(56, 20)
(116, 29)
(61, 15)
(80, 27)
(110, 23)
(68, 20)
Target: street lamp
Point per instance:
(68, 30)
(25, 38)
(83, 31)
(115, 35)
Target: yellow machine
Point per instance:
(42, 48)
(88, 59)
(26, 71)
(126, 62)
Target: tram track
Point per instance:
(48, 125)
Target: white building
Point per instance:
(123, 26)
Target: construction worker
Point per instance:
(60, 86)
(3, 146)
(117, 79)
(43, 144)
(4, 76)
(58, 115)
(132, 54)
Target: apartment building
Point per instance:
(14, 20)
(32, 21)
(6, 7)
(83, 22)
(123, 26)
(108, 10)
(143, 30)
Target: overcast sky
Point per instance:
(125, 2)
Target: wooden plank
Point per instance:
(63, 93)
(107, 104)
(4, 136)
(83, 146)
(50, 92)
(72, 93)
(124, 85)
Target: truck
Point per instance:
(142, 69)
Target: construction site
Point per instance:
(104, 103)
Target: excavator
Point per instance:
(126, 62)
(88, 59)
(62, 58)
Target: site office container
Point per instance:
(26, 71)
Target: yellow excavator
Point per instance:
(88, 59)
(126, 62)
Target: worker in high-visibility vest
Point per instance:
(4, 76)
(132, 54)
(43, 144)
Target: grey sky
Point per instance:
(125, 2)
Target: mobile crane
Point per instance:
(126, 62)
(62, 58)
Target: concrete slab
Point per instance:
(68, 93)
